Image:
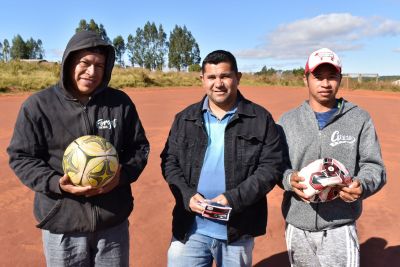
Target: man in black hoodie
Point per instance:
(80, 225)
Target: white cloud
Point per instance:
(338, 31)
(397, 50)
(379, 26)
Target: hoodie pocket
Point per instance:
(51, 213)
(67, 216)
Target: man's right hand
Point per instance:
(298, 187)
(195, 203)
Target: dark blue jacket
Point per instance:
(253, 161)
(49, 121)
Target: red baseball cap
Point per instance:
(321, 56)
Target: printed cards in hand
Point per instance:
(214, 210)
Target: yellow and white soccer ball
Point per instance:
(90, 160)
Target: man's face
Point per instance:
(221, 84)
(323, 84)
(86, 73)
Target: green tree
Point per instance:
(93, 26)
(30, 46)
(18, 48)
(298, 71)
(119, 45)
(6, 50)
(148, 47)
(39, 51)
(150, 37)
(266, 71)
(136, 48)
(130, 46)
(161, 47)
(83, 26)
(183, 49)
(103, 33)
(33, 49)
(194, 68)
(1, 51)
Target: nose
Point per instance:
(325, 82)
(90, 70)
(219, 82)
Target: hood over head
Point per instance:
(81, 41)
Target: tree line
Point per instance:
(20, 49)
(271, 71)
(148, 48)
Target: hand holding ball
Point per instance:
(323, 178)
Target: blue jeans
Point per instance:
(201, 250)
(109, 247)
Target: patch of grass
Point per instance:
(371, 84)
(25, 76)
(138, 77)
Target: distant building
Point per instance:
(33, 60)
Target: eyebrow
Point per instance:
(86, 61)
(219, 74)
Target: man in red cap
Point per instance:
(324, 233)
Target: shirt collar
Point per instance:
(206, 107)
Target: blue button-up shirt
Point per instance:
(212, 176)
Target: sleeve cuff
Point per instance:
(286, 180)
(54, 185)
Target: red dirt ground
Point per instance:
(150, 231)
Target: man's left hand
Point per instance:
(351, 192)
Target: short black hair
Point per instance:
(219, 56)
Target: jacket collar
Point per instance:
(244, 108)
(344, 107)
(68, 96)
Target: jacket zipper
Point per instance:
(88, 127)
(94, 217)
(333, 118)
(319, 156)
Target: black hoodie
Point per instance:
(50, 120)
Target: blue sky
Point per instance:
(278, 34)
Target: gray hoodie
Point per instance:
(349, 137)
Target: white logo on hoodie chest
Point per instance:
(106, 124)
(337, 139)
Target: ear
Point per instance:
(305, 80)
(238, 76)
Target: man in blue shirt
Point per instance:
(224, 149)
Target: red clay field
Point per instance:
(150, 222)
